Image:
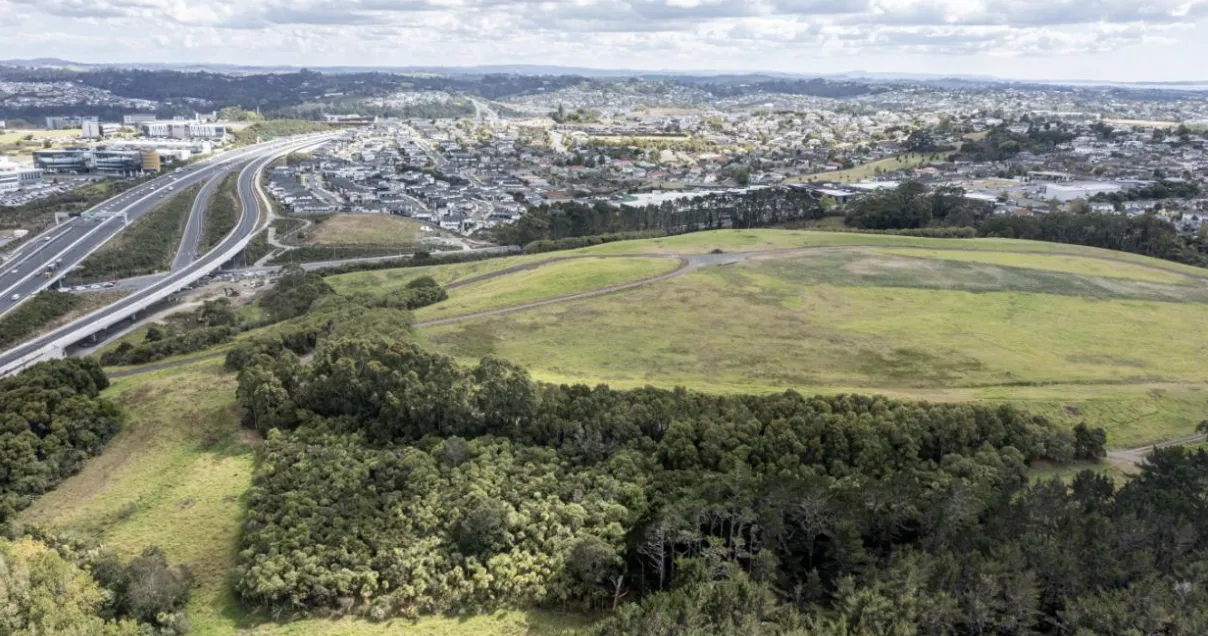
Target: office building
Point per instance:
(64, 122)
(65, 160)
(118, 162)
(137, 118)
(1070, 191)
(15, 177)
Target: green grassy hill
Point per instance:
(1072, 332)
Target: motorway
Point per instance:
(76, 249)
(73, 240)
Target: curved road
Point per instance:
(261, 156)
(72, 241)
(187, 252)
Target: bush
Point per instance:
(293, 294)
(153, 350)
(51, 420)
(548, 245)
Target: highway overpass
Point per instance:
(85, 238)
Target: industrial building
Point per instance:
(184, 129)
(15, 177)
(1064, 192)
(64, 122)
(103, 160)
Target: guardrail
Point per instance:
(143, 299)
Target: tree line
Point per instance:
(213, 323)
(396, 482)
(1164, 189)
(751, 208)
(912, 206)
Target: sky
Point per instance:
(1105, 40)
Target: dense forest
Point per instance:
(751, 208)
(395, 482)
(51, 420)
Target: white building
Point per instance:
(15, 177)
(178, 149)
(91, 129)
(137, 118)
(1069, 191)
(184, 129)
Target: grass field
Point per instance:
(1072, 333)
(14, 142)
(870, 170)
(365, 229)
(1055, 263)
(758, 240)
(550, 280)
(13, 136)
(175, 477)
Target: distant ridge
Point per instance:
(604, 73)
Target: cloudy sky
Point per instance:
(1033, 39)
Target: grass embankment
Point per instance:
(25, 142)
(175, 477)
(364, 229)
(147, 246)
(33, 316)
(273, 128)
(1073, 333)
(285, 226)
(872, 168)
(222, 214)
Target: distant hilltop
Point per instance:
(543, 69)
